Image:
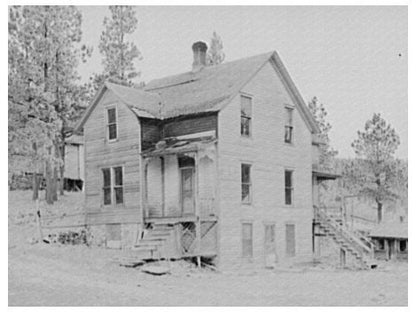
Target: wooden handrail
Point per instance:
(342, 230)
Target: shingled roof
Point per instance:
(206, 90)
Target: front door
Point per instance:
(187, 191)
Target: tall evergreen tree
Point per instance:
(42, 83)
(215, 54)
(376, 173)
(320, 114)
(119, 55)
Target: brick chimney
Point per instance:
(200, 55)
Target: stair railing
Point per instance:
(343, 231)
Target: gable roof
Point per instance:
(143, 104)
(207, 90)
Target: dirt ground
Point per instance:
(58, 275)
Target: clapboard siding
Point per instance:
(269, 156)
(100, 153)
(189, 125)
(150, 130)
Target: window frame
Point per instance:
(249, 184)
(287, 247)
(251, 240)
(108, 124)
(291, 188)
(289, 124)
(246, 117)
(113, 186)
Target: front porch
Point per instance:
(180, 194)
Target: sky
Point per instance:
(354, 59)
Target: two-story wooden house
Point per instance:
(215, 162)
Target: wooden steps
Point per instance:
(152, 245)
(350, 242)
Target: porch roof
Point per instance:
(175, 146)
(323, 173)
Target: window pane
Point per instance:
(245, 173)
(245, 126)
(245, 106)
(245, 193)
(288, 134)
(288, 196)
(119, 195)
(289, 116)
(107, 196)
(111, 115)
(106, 177)
(118, 174)
(112, 131)
(288, 178)
(247, 240)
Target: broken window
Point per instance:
(247, 240)
(245, 183)
(288, 125)
(245, 116)
(112, 123)
(113, 180)
(288, 187)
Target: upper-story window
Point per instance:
(288, 125)
(288, 187)
(112, 123)
(246, 183)
(246, 116)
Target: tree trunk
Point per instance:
(49, 184)
(35, 186)
(55, 184)
(62, 170)
(379, 212)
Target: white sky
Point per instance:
(346, 56)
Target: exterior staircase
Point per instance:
(351, 242)
(153, 244)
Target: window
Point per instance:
(247, 240)
(288, 187)
(118, 184)
(402, 246)
(112, 123)
(290, 240)
(288, 125)
(245, 183)
(113, 185)
(245, 116)
(107, 186)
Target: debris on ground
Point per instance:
(156, 270)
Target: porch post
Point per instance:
(197, 211)
(162, 169)
(143, 172)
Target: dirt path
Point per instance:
(80, 276)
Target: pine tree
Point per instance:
(215, 54)
(119, 54)
(43, 58)
(376, 170)
(327, 152)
